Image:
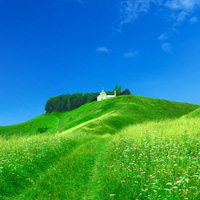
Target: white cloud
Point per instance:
(102, 50)
(163, 36)
(183, 5)
(177, 10)
(131, 9)
(166, 47)
(131, 54)
(174, 11)
(194, 20)
(181, 16)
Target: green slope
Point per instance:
(30, 127)
(194, 114)
(107, 116)
(154, 160)
(91, 153)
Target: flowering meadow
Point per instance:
(144, 164)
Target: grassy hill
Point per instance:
(128, 147)
(154, 160)
(108, 116)
(194, 114)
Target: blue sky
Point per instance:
(54, 47)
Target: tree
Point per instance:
(118, 90)
(86, 97)
(126, 92)
(92, 97)
(109, 92)
(68, 104)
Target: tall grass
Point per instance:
(156, 160)
(70, 177)
(22, 161)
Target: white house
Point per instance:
(103, 95)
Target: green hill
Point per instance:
(154, 160)
(127, 147)
(107, 116)
(194, 114)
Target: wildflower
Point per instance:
(169, 183)
(187, 179)
(158, 171)
(177, 178)
(123, 181)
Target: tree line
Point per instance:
(67, 102)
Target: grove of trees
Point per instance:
(66, 102)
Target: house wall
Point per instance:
(103, 96)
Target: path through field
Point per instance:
(73, 176)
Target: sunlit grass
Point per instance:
(70, 176)
(155, 160)
(110, 116)
(88, 153)
(23, 161)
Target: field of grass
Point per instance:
(128, 147)
(155, 160)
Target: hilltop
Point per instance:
(108, 116)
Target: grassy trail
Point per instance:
(72, 176)
(91, 190)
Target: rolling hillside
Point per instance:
(107, 116)
(127, 147)
(194, 114)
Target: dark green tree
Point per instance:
(118, 90)
(109, 92)
(126, 92)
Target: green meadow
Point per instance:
(127, 147)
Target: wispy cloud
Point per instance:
(182, 16)
(178, 10)
(163, 36)
(166, 47)
(103, 50)
(131, 54)
(194, 20)
(131, 9)
(183, 5)
(175, 11)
